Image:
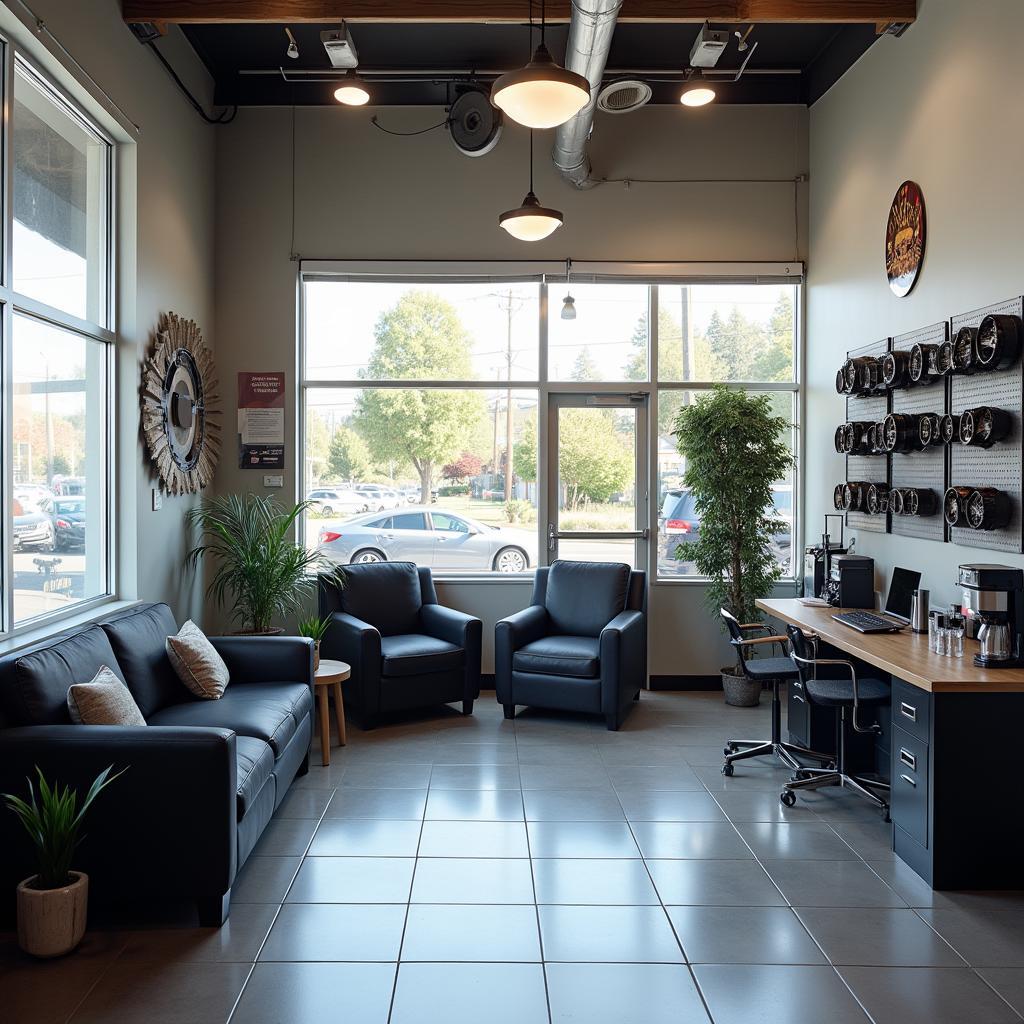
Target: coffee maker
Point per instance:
(993, 598)
(818, 560)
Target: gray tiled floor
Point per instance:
(450, 870)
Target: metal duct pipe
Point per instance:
(591, 27)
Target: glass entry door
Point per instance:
(597, 478)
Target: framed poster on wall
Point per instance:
(260, 420)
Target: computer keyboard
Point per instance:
(867, 622)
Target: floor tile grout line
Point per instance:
(408, 905)
(533, 885)
(280, 906)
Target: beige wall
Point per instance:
(166, 222)
(361, 194)
(941, 106)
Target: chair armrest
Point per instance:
(357, 643)
(173, 811)
(267, 659)
(448, 624)
(511, 633)
(464, 631)
(623, 662)
(753, 641)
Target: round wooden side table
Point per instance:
(329, 676)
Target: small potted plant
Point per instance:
(735, 450)
(52, 903)
(315, 628)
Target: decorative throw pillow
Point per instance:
(197, 662)
(104, 700)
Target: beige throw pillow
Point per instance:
(104, 700)
(197, 662)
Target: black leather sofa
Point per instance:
(580, 646)
(203, 777)
(406, 650)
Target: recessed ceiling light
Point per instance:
(352, 91)
(697, 94)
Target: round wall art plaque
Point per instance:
(904, 238)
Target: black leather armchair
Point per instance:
(405, 649)
(580, 646)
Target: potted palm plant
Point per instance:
(735, 450)
(52, 903)
(257, 570)
(315, 628)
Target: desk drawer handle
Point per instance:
(908, 758)
(907, 778)
(909, 710)
(796, 696)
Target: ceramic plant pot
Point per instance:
(740, 692)
(51, 922)
(316, 655)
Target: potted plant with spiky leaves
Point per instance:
(52, 903)
(735, 449)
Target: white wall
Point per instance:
(363, 194)
(165, 217)
(940, 106)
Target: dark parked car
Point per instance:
(33, 528)
(68, 516)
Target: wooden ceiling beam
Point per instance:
(198, 12)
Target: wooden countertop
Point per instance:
(904, 655)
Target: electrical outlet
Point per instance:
(158, 499)
(273, 481)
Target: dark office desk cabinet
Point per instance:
(956, 810)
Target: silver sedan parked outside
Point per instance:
(429, 536)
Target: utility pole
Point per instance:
(508, 400)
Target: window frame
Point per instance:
(551, 274)
(15, 59)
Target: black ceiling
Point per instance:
(414, 64)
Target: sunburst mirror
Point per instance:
(180, 414)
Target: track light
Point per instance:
(568, 303)
(697, 93)
(543, 94)
(352, 91)
(530, 222)
(293, 47)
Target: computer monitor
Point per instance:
(901, 588)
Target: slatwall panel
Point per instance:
(925, 470)
(1002, 465)
(873, 469)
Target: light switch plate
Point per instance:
(158, 499)
(273, 481)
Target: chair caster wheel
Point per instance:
(788, 797)
(728, 768)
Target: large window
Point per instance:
(57, 335)
(426, 400)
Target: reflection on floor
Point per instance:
(455, 870)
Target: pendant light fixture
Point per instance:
(353, 91)
(530, 222)
(568, 303)
(543, 94)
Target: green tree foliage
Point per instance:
(594, 460)
(348, 457)
(585, 368)
(318, 443)
(735, 449)
(524, 452)
(420, 338)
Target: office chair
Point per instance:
(761, 670)
(825, 684)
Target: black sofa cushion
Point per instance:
(264, 711)
(138, 640)
(583, 597)
(385, 594)
(414, 654)
(42, 677)
(255, 762)
(577, 656)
